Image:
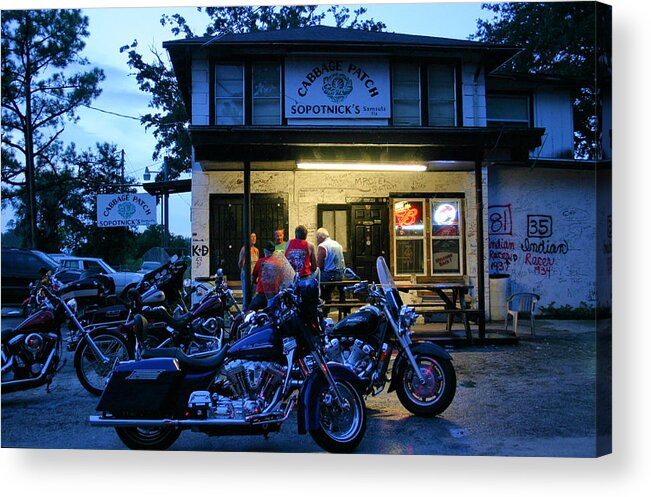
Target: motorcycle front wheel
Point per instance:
(140, 438)
(341, 429)
(92, 371)
(434, 395)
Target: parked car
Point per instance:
(20, 267)
(148, 266)
(58, 256)
(87, 266)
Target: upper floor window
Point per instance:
(229, 94)
(405, 86)
(508, 110)
(441, 95)
(266, 93)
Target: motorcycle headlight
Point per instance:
(72, 304)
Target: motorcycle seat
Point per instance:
(187, 363)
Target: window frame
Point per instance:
(213, 87)
(418, 67)
(461, 212)
(504, 122)
(455, 93)
(423, 237)
(280, 96)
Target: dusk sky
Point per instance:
(111, 28)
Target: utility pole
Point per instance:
(122, 166)
(29, 143)
(166, 205)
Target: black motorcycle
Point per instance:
(206, 327)
(422, 374)
(247, 388)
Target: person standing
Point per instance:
(279, 239)
(255, 255)
(300, 253)
(330, 260)
(265, 277)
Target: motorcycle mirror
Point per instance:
(350, 274)
(174, 258)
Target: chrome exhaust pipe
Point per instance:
(159, 423)
(191, 423)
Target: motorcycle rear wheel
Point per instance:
(139, 438)
(340, 431)
(436, 394)
(91, 371)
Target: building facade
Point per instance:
(402, 146)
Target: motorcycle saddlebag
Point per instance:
(142, 387)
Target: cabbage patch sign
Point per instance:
(332, 88)
(126, 209)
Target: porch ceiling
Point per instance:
(279, 148)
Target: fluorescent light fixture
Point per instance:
(355, 166)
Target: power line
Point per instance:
(112, 113)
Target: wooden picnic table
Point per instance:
(452, 295)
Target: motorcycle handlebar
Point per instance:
(362, 285)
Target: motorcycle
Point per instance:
(98, 307)
(205, 328)
(32, 351)
(248, 387)
(422, 375)
(36, 297)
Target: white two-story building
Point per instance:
(402, 146)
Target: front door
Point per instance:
(370, 237)
(268, 212)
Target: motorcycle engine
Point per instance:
(30, 352)
(253, 386)
(353, 353)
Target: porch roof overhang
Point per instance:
(218, 144)
(168, 187)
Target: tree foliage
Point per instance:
(169, 120)
(40, 93)
(570, 39)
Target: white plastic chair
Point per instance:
(521, 303)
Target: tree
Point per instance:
(39, 94)
(169, 121)
(570, 39)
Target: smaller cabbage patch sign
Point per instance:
(126, 209)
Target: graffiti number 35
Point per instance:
(539, 226)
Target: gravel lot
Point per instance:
(536, 398)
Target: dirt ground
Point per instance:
(537, 397)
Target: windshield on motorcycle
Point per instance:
(388, 286)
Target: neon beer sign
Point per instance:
(406, 215)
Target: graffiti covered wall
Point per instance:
(542, 231)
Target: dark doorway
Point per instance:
(369, 237)
(268, 211)
(336, 219)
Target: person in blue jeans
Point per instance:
(255, 255)
(330, 260)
